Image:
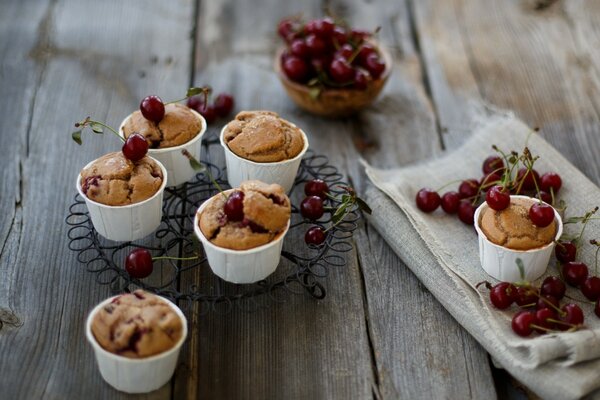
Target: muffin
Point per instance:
(137, 325)
(114, 180)
(512, 228)
(179, 126)
(266, 213)
(263, 137)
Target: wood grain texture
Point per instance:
(64, 60)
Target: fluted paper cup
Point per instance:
(501, 262)
(283, 172)
(178, 166)
(135, 375)
(240, 266)
(128, 222)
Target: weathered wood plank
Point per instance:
(86, 58)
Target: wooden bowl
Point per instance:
(333, 102)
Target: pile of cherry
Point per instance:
(323, 53)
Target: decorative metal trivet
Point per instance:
(301, 269)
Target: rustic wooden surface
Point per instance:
(378, 334)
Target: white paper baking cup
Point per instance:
(241, 266)
(135, 375)
(501, 262)
(178, 166)
(282, 172)
(129, 222)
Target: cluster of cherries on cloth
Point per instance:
(323, 53)
(220, 108)
(495, 187)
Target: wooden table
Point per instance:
(379, 333)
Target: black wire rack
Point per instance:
(302, 268)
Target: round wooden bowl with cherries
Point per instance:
(330, 70)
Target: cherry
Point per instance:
(574, 315)
(135, 147)
(295, 68)
(341, 71)
(299, 48)
(591, 288)
(138, 263)
(521, 323)
(152, 108)
(365, 51)
(498, 198)
(320, 63)
(359, 35)
(550, 181)
(320, 27)
(208, 112)
(541, 319)
(345, 52)
(450, 202)
(339, 35)
(502, 295)
(312, 207)
(565, 251)
(314, 235)
(374, 65)
(541, 214)
(468, 188)
(493, 164)
(544, 300)
(316, 45)
(466, 212)
(223, 104)
(526, 296)
(286, 29)
(544, 196)
(234, 206)
(553, 286)
(427, 200)
(195, 102)
(575, 273)
(361, 79)
(316, 187)
(528, 177)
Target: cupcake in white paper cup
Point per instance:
(123, 197)
(260, 145)
(180, 129)
(242, 231)
(508, 235)
(136, 338)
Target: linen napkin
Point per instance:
(443, 253)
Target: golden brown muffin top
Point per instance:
(262, 136)
(137, 325)
(266, 213)
(115, 180)
(178, 126)
(513, 229)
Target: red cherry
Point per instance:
(316, 45)
(545, 300)
(314, 235)
(450, 202)
(427, 200)
(361, 79)
(493, 164)
(498, 198)
(526, 297)
(544, 196)
(234, 206)
(574, 314)
(339, 35)
(299, 48)
(208, 112)
(341, 71)
(320, 63)
(502, 295)
(365, 51)
(295, 68)
(135, 147)
(565, 251)
(541, 214)
(575, 273)
(591, 288)
(345, 52)
(550, 181)
(374, 65)
(553, 286)
(223, 104)
(359, 35)
(138, 263)
(528, 178)
(320, 27)
(195, 102)
(521, 323)
(316, 187)
(541, 319)
(468, 188)
(287, 28)
(152, 108)
(312, 207)
(466, 212)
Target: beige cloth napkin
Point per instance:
(445, 257)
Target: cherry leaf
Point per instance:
(77, 137)
(339, 214)
(97, 128)
(363, 205)
(193, 91)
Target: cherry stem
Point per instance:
(91, 121)
(556, 321)
(174, 258)
(541, 328)
(548, 302)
